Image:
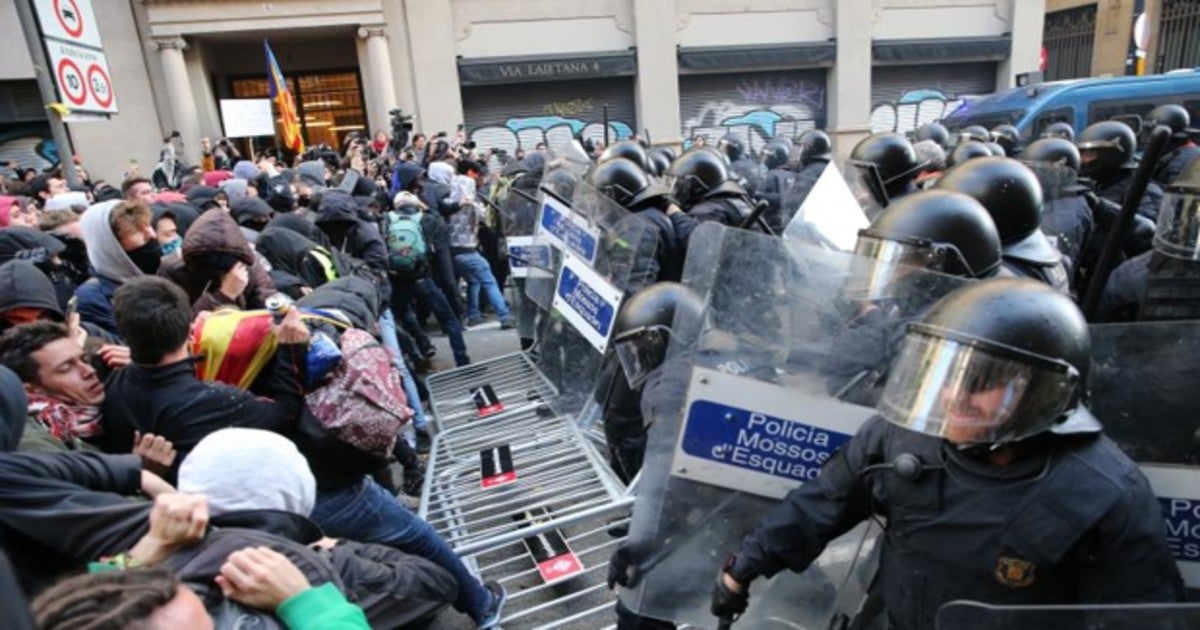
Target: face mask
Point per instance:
(147, 257)
(172, 246)
(302, 201)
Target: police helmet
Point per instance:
(665, 150)
(1052, 151)
(891, 164)
(775, 155)
(933, 131)
(562, 182)
(967, 151)
(1173, 116)
(733, 148)
(659, 163)
(621, 180)
(995, 149)
(1008, 138)
(1105, 148)
(978, 133)
(1059, 130)
(642, 329)
(694, 174)
(629, 150)
(815, 146)
(940, 230)
(1011, 193)
(992, 363)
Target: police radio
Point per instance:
(907, 466)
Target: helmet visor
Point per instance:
(1177, 233)
(867, 186)
(968, 393)
(892, 259)
(640, 351)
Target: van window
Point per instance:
(1193, 108)
(1049, 117)
(963, 117)
(1122, 109)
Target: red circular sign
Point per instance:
(100, 85)
(73, 31)
(70, 81)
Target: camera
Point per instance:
(401, 126)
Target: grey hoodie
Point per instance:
(103, 248)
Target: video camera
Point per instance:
(401, 127)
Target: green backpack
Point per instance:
(405, 242)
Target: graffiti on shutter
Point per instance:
(753, 107)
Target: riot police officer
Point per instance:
(746, 170)
(704, 191)
(887, 165)
(629, 150)
(628, 185)
(1106, 157)
(995, 479)
(1067, 215)
(1180, 152)
(967, 151)
(1059, 129)
(936, 132)
(776, 184)
(1163, 283)
(815, 151)
(974, 133)
(1008, 138)
(1012, 195)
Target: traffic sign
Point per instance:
(83, 78)
(74, 50)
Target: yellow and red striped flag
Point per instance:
(283, 100)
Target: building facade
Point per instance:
(518, 72)
(1090, 38)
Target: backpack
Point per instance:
(363, 403)
(405, 242)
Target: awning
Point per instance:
(885, 51)
(749, 58)
(492, 70)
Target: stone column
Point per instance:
(658, 70)
(1028, 17)
(379, 88)
(431, 29)
(179, 93)
(849, 81)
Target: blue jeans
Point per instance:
(475, 270)
(424, 291)
(367, 513)
(387, 328)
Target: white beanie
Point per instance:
(249, 469)
(64, 201)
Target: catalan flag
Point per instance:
(283, 101)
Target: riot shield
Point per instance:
(757, 391)
(830, 215)
(1142, 381)
(867, 186)
(967, 615)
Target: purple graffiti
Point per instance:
(783, 91)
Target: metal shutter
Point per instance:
(523, 114)
(754, 106)
(906, 97)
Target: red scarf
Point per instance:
(66, 421)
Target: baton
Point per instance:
(724, 623)
(1133, 197)
(756, 217)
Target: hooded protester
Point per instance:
(171, 222)
(235, 189)
(302, 226)
(218, 266)
(205, 197)
(252, 215)
(26, 295)
(298, 265)
(121, 245)
(339, 218)
(394, 589)
(44, 251)
(280, 194)
(411, 178)
(15, 211)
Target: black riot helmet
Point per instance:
(1052, 151)
(1105, 148)
(1173, 116)
(1177, 232)
(659, 163)
(978, 133)
(889, 163)
(629, 150)
(666, 151)
(1011, 193)
(967, 151)
(815, 146)
(995, 149)
(624, 182)
(939, 230)
(643, 326)
(775, 155)
(733, 147)
(1008, 138)
(933, 131)
(1059, 130)
(993, 363)
(694, 174)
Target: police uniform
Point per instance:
(774, 191)
(1151, 287)
(1070, 521)
(1068, 219)
(1175, 162)
(1115, 190)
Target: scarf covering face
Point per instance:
(66, 421)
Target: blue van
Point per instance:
(1080, 102)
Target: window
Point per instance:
(329, 104)
(1047, 118)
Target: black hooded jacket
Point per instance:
(293, 263)
(348, 232)
(22, 285)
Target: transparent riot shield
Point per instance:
(966, 615)
(778, 371)
(867, 186)
(599, 253)
(1142, 383)
(830, 216)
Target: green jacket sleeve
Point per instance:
(321, 608)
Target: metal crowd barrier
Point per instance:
(514, 378)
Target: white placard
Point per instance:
(587, 301)
(82, 77)
(247, 117)
(759, 438)
(831, 211)
(1178, 492)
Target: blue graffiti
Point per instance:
(29, 145)
(552, 130)
(544, 123)
(763, 119)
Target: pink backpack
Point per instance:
(362, 403)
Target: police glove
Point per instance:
(623, 568)
(726, 603)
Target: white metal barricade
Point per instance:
(514, 380)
